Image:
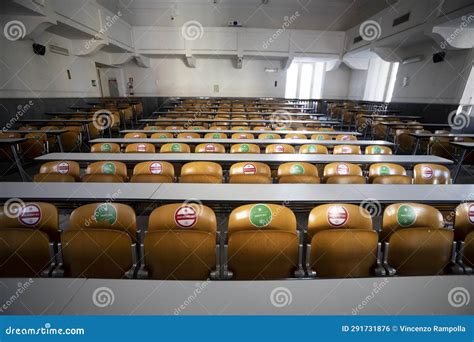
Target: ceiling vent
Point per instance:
(58, 50)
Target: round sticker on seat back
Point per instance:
(384, 170)
(337, 215)
(108, 168)
(244, 148)
(176, 148)
(320, 137)
(105, 212)
(345, 137)
(210, 148)
(62, 168)
(426, 172)
(249, 169)
(406, 215)
(106, 147)
(297, 169)
(30, 215)
(279, 148)
(260, 215)
(156, 168)
(243, 136)
(216, 136)
(346, 149)
(185, 216)
(141, 148)
(311, 148)
(470, 213)
(342, 169)
(377, 149)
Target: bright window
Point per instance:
(304, 80)
(381, 78)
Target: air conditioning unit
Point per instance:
(58, 50)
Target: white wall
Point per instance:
(433, 83)
(172, 77)
(24, 74)
(357, 81)
(336, 83)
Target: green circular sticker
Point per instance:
(106, 148)
(311, 148)
(384, 170)
(162, 136)
(297, 169)
(377, 149)
(406, 215)
(240, 129)
(176, 148)
(244, 148)
(197, 128)
(269, 136)
(106, 213)
(108, 168)
(320, 137)
(154, 129)
(216, 136)
(260, 215)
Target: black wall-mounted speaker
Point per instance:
(39, 49)
(438, 57)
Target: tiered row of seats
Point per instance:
(243, 172)
(261, 241)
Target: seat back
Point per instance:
(153, 172)
(99, 239)
(263, 242)
(385, 169)
(463, 221)
(162, 135)
(107, 171)
(61, 168)
(105, 148)
(341, 169)
(418, 243)
(269, 136)
(343, 243)
(346, 149)
(135, 135)
(153, 128)
(431, 174)
(298, 172)
(201, 172)
(175, 148)
(311, 148)
(279, 148)
(181, 242)
(210, 148)
(245, 148)
(140, 148)
(250, 172)
(295, 136)
(215, 136)
(188, 135)
(321, 137)
(242, 136)
(378, 150)
(345, 137)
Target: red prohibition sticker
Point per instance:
(243, 136)
(426, 172)
(470, 213)
(279, 148)
(156, 168)
(342, 169)
(30, 215)
(249, 169)
(185, 216)
(345, 137)
(346, 149)
(62, 168)
(337, 216)
(210, 148)
(141, 147)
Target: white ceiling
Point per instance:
(331, 15)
